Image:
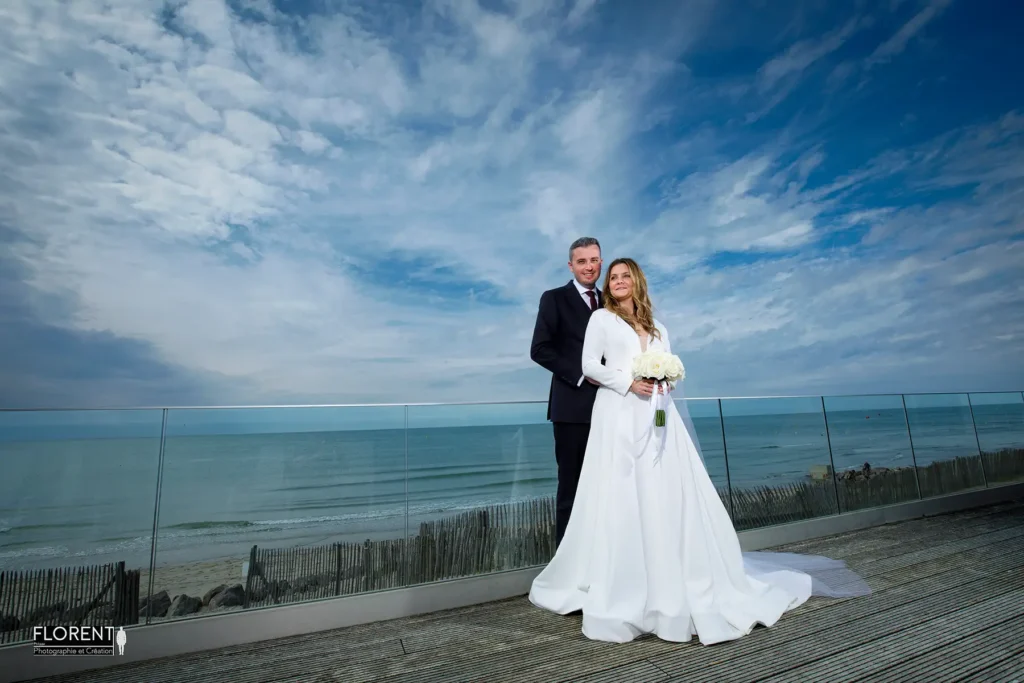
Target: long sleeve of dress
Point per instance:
(594, 344)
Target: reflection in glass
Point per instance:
(264, 506)
(779, 462)
(871, 450)
(482, 481)
(945, 444)
(999, 419)
(77, 493)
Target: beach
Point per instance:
(195, 579)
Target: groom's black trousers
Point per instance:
(570, 445)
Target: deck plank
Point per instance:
(965, 658)
(809, 645)
(948, 605)
(1009, 670)
(875, 658)
(905, 597)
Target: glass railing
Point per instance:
(126, 517)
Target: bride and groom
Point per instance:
(644, 543)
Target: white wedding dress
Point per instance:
(649, 547)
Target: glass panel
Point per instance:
(779, 461)
(871, 450)
(945, 446)
(999, 419)
(707, 421)
(482, 482)
(265, 506)
(77, 493)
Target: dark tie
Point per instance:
(593, 299)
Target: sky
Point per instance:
(249, 202)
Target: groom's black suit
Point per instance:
(558, 347)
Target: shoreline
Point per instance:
(473, 542)
(205, 548)
(174, 547)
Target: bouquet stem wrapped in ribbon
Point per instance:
(661, 368)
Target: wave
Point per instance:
(43, 527)
(211, 525)
(425, 474)
(95, 551)
(258, 525)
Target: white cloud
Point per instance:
(889, 49)
(350, 208)
(899, 40)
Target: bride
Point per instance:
(649, 547)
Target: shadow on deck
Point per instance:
(948, 605)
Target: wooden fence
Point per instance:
(522, 534)
(97, 595)
(479, 541)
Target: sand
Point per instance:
(194, 579)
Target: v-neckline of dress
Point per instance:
(639, 339)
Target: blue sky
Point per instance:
(255, 202)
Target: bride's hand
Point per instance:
(642, 387)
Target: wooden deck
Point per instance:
(948, 605)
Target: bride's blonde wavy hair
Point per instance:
(643, 311)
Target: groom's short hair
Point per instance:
(583, 242)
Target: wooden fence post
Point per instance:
(248, 578)
(337, 569)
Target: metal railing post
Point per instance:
(405, 544)
(831, 459)
(913, 454)
(156, 516)
(725, 452)
(981, 456)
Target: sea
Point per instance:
(75, 492)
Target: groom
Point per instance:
(558, 347)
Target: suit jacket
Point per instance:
(557, 346)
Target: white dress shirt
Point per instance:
(583, 291)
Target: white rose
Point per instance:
(638, 369)
(642, 365)
(653, 365)
(674, 370)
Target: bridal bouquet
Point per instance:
(660, 367)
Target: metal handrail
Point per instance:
(480, 403)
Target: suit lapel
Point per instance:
(575, 300)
